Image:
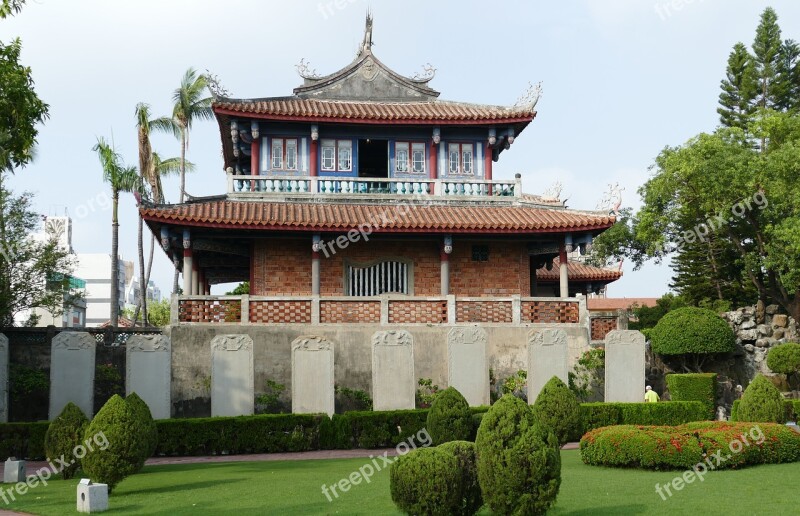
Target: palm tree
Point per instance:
(189, 105)
(121, 179)
(148, 172)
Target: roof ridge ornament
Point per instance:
(428, 72)
(611, 200)
(366, 45)
(215, 86)
(305, 71)
(530, 97)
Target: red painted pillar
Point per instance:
(487, 166)
(255, 151)
(312, 167)
(433, 161)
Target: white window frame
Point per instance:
(280, 147)
(339, 150)
(344, 145)
(466, 159)
(328, 145)
(277, 153)
(418, 147)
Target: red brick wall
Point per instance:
(484, 311)
(550, 312)
(601, 326)
(432, 312)
(350, 311)
(506, 272)
(282, 267)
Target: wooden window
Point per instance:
(337, 155)
(328, 154)
(381, 278)
(461, 159)
(277, 153)
(284, 154)
(418, 158)
(480, 253)
(401, 157)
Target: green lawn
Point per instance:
(294, 487)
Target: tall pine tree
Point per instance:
(738, 89)
(767, 58)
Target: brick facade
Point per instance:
(350, 312)
(550, 312)
(601, 326)
(280, 311)
(282, 267)
(409, 312)
(484, 311)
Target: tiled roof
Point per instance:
(438, 111)
(578, 271)
(404, 218)
(619, 303)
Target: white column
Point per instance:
(563, 274)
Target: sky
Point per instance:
(622, 79)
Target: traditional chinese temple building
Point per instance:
(364, 201)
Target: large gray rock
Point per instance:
(748, 335)
(746, 325)
(232, 389)
(72, 365)
(780, 320)
(772, 309)
(764, 330)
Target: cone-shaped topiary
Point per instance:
(449, 418)
(143, 412)
(761, 403)
(518, 458)
(64, 433)
(557, 407)
(125, 435)
(468, 486)
(426, 482)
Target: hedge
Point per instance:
(669, 413)
(684, 446)
(694, 387)
(792, 410)
(278, 433)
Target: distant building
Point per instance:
(95, 269)
(133, 292)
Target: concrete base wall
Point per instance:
(507, 350)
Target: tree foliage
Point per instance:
(33, 273)
(449, 418)
(63, 435)
(557, 407)
(692, 333)
(723, 205)
(762, 402)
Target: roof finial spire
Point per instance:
(366, 46)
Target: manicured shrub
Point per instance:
(449, 418)
(784, 358)
(761, 402)
(684, 446)
(143, 412)
(469, 490)
(23, 440)
(126, 437)
(597, 415)
(557, 407)
(519, 462)
(700, 387)
(63, 435)
(425, 482)
(692, 330)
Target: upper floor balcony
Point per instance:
(483, 189)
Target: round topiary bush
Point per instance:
(784, 358)
(468, 486)
(143, 412)
(427, 481)
(761, 403)
(125, 435)
(64, 433)
(449, 418)
(691, 330)
(518, 458)
(557, 407)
